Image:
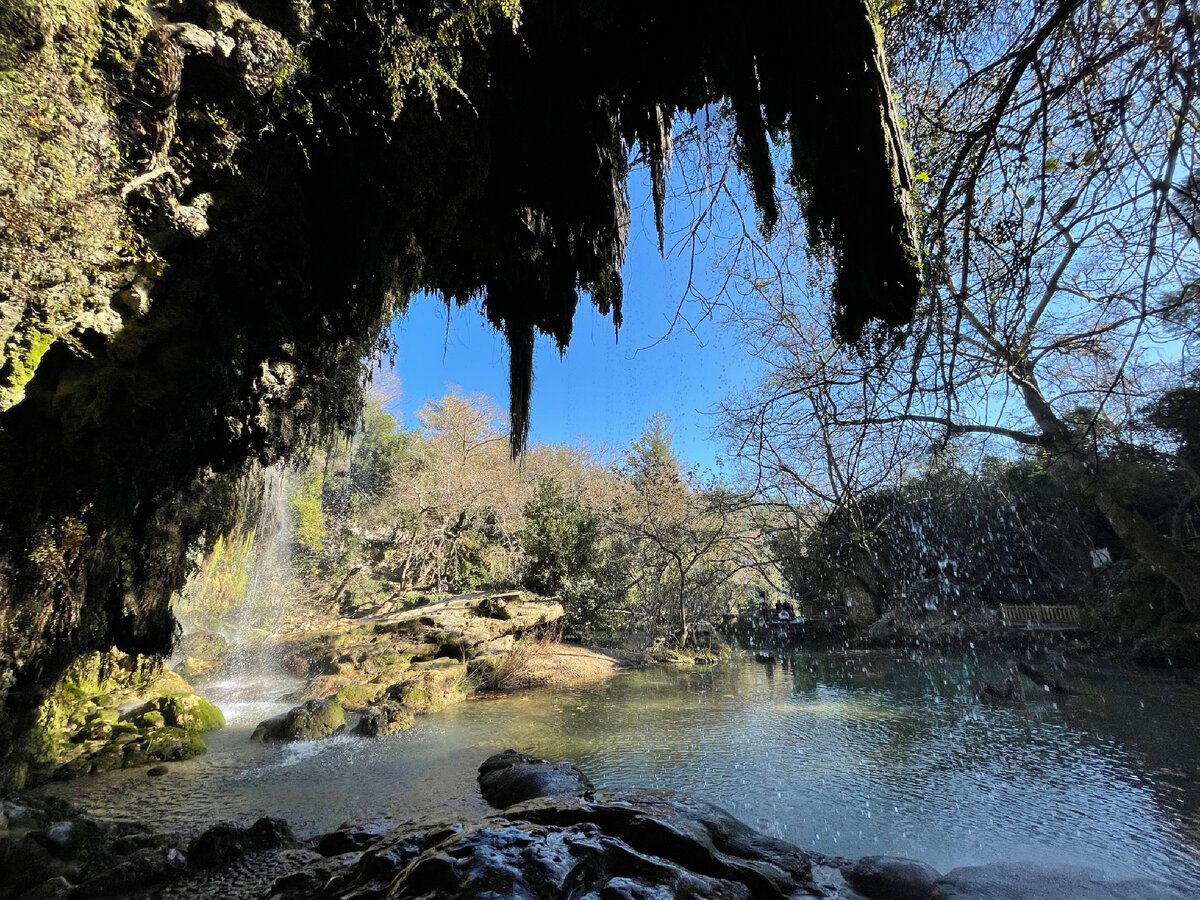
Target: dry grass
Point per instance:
(541, 661)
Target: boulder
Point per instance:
(224, 843)
(511, 777)
(1037, 881)
(82, 729)
(308, 721)
(165, 744)
(190, 712)
(891, 878)
(387, 718)
(494, 608)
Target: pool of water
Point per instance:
(845, 753)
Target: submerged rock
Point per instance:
(308, 721)
(511, 777)
(891, 878)
(1036, 881)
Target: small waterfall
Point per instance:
(242, 592)
(265, 603)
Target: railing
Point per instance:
(1035, 616)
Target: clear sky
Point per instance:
(605, 388)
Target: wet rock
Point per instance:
(511, 777)
(344, 840)
(54, 888)
(83, 730)
(308, 721)
(430, 686)
(156, 771)
(891, 878)
(388, 718)
(203, 646)
(138, 870)
(1035, 881)
(190, 712)
(620, 846)
(68, 837)
(164, 744)
(224, 843)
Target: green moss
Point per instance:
(356, 696)
(151, 718)
(164, 745)
(191, 712)
(23, 357)
(125, 26)
(108, 716)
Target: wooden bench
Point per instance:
(1039, 618)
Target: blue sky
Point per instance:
(604, 389)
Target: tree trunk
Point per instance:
(1170, 559)
(1178, 566)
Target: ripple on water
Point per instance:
(847, 755)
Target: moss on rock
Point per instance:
(81, 729)
(309, 721)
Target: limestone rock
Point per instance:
(387, 718)
(648, 845)
(311, 719)
(432, 685)
(511, 777)
(224, 843)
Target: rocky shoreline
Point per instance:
(555, 836)
(112, 710)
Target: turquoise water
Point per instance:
(844, 753)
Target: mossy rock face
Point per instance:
(192, 712)
(79, 734)
(431, 686)
(149, 718)
(111, 716)
(356, 696)
(166, 744)
(309, 721)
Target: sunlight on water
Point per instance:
(847, 754)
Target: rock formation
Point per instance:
(209, 210)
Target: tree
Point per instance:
(686, 544)
(1052, 133)
(567, 554)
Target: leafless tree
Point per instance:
(1050, 139)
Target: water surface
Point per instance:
(844, 753)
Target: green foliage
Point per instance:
(1009, 534)
(220, 585)
(560, 539)
(565, 557)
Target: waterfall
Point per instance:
(240, 597)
